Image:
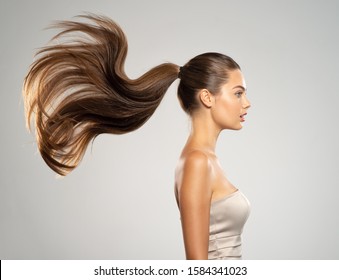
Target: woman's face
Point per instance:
(231, 104)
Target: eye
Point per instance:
(239, 93)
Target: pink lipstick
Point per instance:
(242, 117)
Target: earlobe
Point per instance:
(206, 98)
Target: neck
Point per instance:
(204, 134)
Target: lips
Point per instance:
(242, 117)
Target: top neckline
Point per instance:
(226, 196)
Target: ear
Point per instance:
(206, 98)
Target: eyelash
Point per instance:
(239, 94)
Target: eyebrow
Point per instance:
(244, 89)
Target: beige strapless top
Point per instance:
(228, 216)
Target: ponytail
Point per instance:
(76, 90)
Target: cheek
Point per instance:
(227, 113)
(228, 107)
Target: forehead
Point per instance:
(236, 78)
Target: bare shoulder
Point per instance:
(196, 159)
(194, 174)
(193, 163)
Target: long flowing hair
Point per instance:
(77, 89)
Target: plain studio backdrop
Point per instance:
(119, 203)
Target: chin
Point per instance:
(238, 127)
(234, 128)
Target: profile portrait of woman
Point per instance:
(77, 89)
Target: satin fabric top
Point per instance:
(228, 216)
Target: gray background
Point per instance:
(119, 203)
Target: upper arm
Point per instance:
(194, 203)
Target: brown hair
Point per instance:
(78, 89)
(205, 71)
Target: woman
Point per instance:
(212, 210)
(78, 89)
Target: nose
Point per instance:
(246, 103)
